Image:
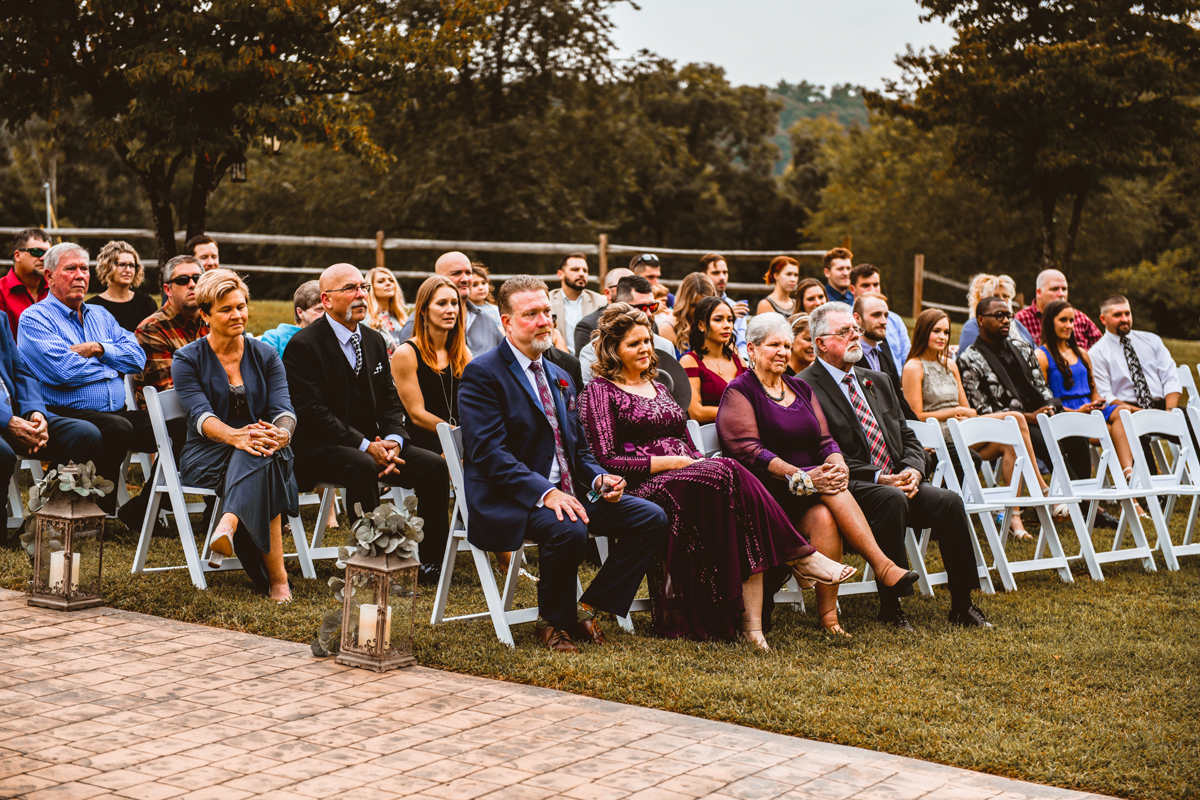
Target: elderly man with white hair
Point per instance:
(79, 354)
(482, 333)
(1051, 286)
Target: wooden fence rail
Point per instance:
(919, 278)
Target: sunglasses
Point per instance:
(646, 308)
(184, 280)
(36, 252)
(647, 258)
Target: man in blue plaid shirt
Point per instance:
(79, 353)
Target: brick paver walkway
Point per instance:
(107, 704)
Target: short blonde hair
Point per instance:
(616, 321)
(215, 284)
(106, 262)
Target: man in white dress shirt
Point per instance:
(1132, 367)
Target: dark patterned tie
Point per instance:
(560, 450)
(1144, 400)
(357, 353)
(879, 455)
(874, 354)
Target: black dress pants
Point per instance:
(889, 513)
(636, 528)
(120, 432)
(422, 471)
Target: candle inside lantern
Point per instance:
(58, 570)
(368, 619)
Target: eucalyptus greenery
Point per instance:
(83, 481)
(387, 530)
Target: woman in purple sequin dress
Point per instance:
(726, 530)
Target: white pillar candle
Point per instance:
(56, 570)
(368, 617)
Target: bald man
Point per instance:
(349, 419)
(1051, 286)
(482, 333)
(585, 326)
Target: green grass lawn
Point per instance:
(1089, 686)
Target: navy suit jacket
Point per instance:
(22, 386)
(509, 445)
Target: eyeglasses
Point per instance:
(999, 315)
(184, 280)
(365, 288)
(126, 265)
(846, 332)
(36, 252)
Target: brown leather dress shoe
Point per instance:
(556, 639)
(588, 630)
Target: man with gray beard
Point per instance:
(349, 419)
(887, 465)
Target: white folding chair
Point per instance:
(1189, 383)
(500, 608)
(929, 434)
(705, 438)
(164, 407)
(978, 430)
(1108, 484)
(1180, 479)
(325, 499)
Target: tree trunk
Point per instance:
(156, 180)
(1072, 232)
(1049, 201)
(202, 180)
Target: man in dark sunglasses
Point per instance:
(176, 324)
(25, 283)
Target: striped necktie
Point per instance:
(879, 454)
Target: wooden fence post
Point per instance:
(603, 271)
(918, 283)
(846, 242)
(379, 249)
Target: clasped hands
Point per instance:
(33, 433)
(260, 438)
(907, 481)
(386, 454)
(612, 487)
(830, 477)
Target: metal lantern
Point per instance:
(379, 603)
(68, 552)
(237, 172)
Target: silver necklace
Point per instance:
(441, 385)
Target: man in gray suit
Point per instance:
(482, 333)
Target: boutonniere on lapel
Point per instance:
(562, 394)
(868, 384)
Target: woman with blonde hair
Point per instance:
(803, 352)
(694, 287)
(385, 306)
(228, 383)
(726, 529)
(120, 270)
(783, 274)
(984, 285)
(428, 367)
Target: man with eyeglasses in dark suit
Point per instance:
(25, 283)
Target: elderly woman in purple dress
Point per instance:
(773, 424)
(726, 531)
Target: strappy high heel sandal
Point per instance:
(816, 568)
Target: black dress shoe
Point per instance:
(429, 574)
(970, 617)
(1105, 520)
(897, 620)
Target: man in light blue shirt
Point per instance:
(717, 269)
(79, 356)
(864, 279)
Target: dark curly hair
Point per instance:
(616, 321)
(1050, 340)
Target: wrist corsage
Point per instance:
(801, 484)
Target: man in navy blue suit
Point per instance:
(27, 430)
(530, 475)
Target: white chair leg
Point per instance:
(999, 557)
(302, 555)
(143, 545)
(442, 594)
(495, 605)
(322, 516)
(122, 489)
(917, 558)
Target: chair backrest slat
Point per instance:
(163, 407)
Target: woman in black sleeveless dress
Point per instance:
(427, 367)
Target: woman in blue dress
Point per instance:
(239, 427)
(1067, 369)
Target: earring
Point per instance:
(752, 365)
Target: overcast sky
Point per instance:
(761, 41)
